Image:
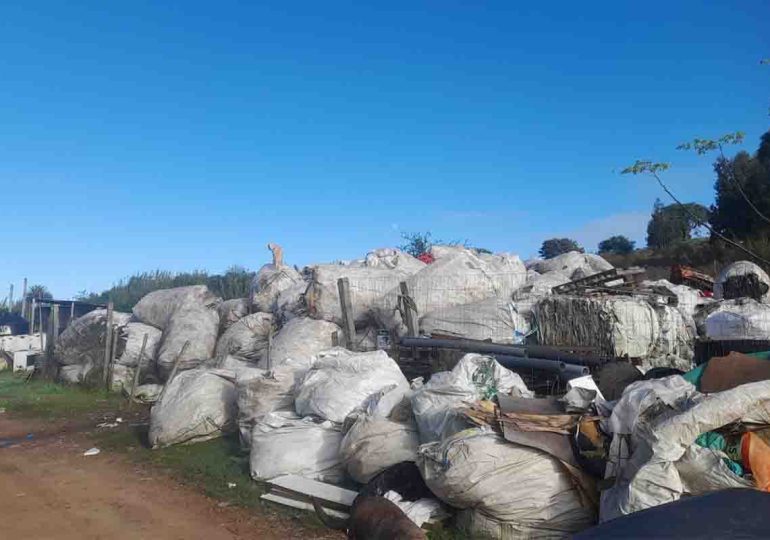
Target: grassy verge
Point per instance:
(48, 400)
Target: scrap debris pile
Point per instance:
(500, 459)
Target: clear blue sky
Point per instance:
(141, 135)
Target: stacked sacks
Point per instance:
(506, 490)
(197, 405)
(474, 377)
(456, 279)
(185, 315)
(247, 338)
(496, 319)
(79, 350)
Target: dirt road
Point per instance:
(49, 489)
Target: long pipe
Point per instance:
(565, 371)
(521, 351)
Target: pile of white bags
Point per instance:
(653, 456)
(742, 279)
(300, 339)
(688, 299)
(269, 282)
(743, 318)
(574, 265)
(80, 347)
(461, 278)
(474, 377)
(340, 382)
(373, 444)
(185, 315)
(247, 338)
(523, 491)
(196, 405)
(260, 394)
(283, 443)
(495, 318)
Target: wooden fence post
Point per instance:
(407, 303)
(24, 300)
(136, 373)
(32, 317)
(343, 286)
(107, 344)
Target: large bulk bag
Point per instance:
(527, 489)
(392, 258)
(742, 279)
(300, 339)
(541, 284)
(367, 286)
(269, 282)
(285, 444)
(573, 264)
(340, 382)
(198, 326)
(450, 281)
(743, 318)
(496, 319)
(232, 311)
(373, 444)
(260, 394)
(196, 405)
(82, 344)
(474, 377)
(247, 338)
(157, 307)
(133, 334)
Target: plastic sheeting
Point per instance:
(474, 377)
(247, 338)
(526, 489)
(196, 405)
(742, 318)
(340, 382)
(497, 319)
(300, 339)
(653, 455)
(285, 444)
(373, 444)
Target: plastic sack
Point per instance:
(232, 311)
(196, 405)
(198, 326)
(340, 382)
(268, 284)
(133, 336)
(300, 339)
(158, 307)
(373, 444)
(247, 338)
(528, 490)
(743, 318)
(392, 258)
(474, 377)
(496, 319)
(573, 264)
(742, 279)
(286, 444)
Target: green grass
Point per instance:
(50, 400)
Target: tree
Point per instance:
(416, 243)
(557, 246)
(742, 203)
(674, 223)
(619, 245)
(39, 292)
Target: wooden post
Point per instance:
(335, 339)
(407, 303)
(52, 334)
(32, 318)
(113, 353)
(136, 373)
(343, 286)
(72, 312)
(107, 343)
(42, 330)
(24, 300)
(55, 321)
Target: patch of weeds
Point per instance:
(51, 400)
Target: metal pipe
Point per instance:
(521, 351)
(565, 371)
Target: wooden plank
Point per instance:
(301, 505)
(407, 303)
(343, 286)
(107, 343)
(313, 488)
(24, 301)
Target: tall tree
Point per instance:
(673, 223)
(557, 246)
(39, 292)
(619, 245)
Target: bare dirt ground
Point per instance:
(49, 489)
